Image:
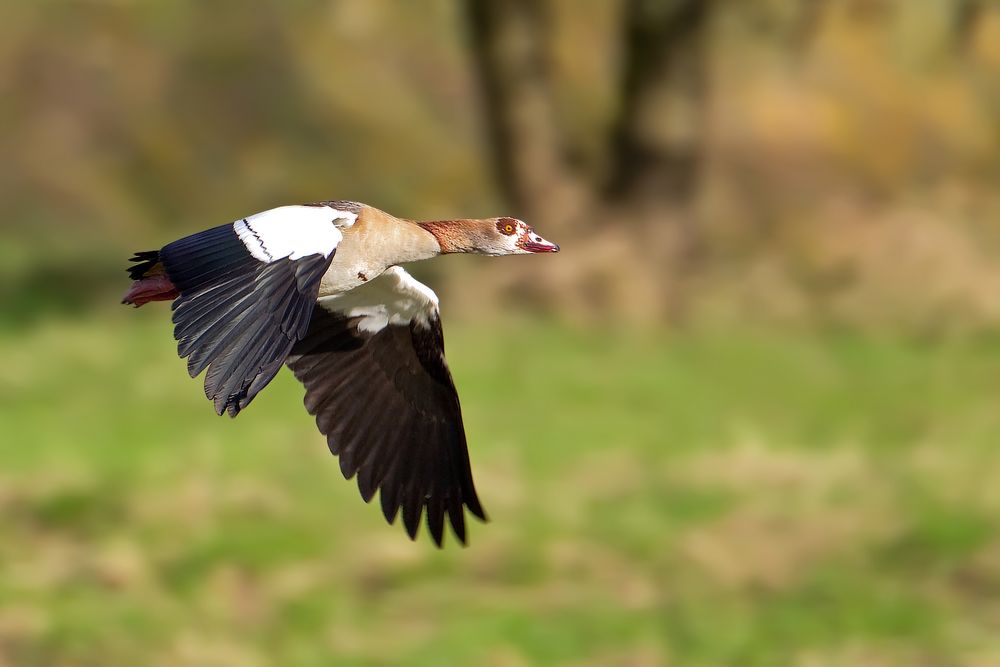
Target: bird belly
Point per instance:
(346, 274)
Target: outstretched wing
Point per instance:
(247, 292)
(377, 382)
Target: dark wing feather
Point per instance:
(387, 403)
(237, 316)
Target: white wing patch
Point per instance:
(293, 231)
(394, 297)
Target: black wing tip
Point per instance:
(231, 405)
(411, 521)
(366, 487)
(390, 504)
(478, 512)
(145, 256)
(435, 526)
(142, 261)
(458, 526)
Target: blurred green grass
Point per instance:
(711, 498)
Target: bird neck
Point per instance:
(459, 234)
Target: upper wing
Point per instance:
(247, 291)
(376, 379)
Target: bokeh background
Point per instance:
(748, 416)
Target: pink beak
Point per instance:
(541, 245)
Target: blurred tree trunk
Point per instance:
(658, 137)
(809, 23)
(508, 42)
(656, 143)
(967, 16)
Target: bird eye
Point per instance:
(506, 226)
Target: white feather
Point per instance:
(293, 231)
(394, 297)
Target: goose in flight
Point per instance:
(317, 287)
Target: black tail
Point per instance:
(145, 261)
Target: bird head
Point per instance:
(515, 237)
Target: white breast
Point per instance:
(393, 298)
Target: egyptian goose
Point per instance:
(317, 287)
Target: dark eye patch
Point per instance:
(506, 226)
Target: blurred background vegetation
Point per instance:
(748, 416)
